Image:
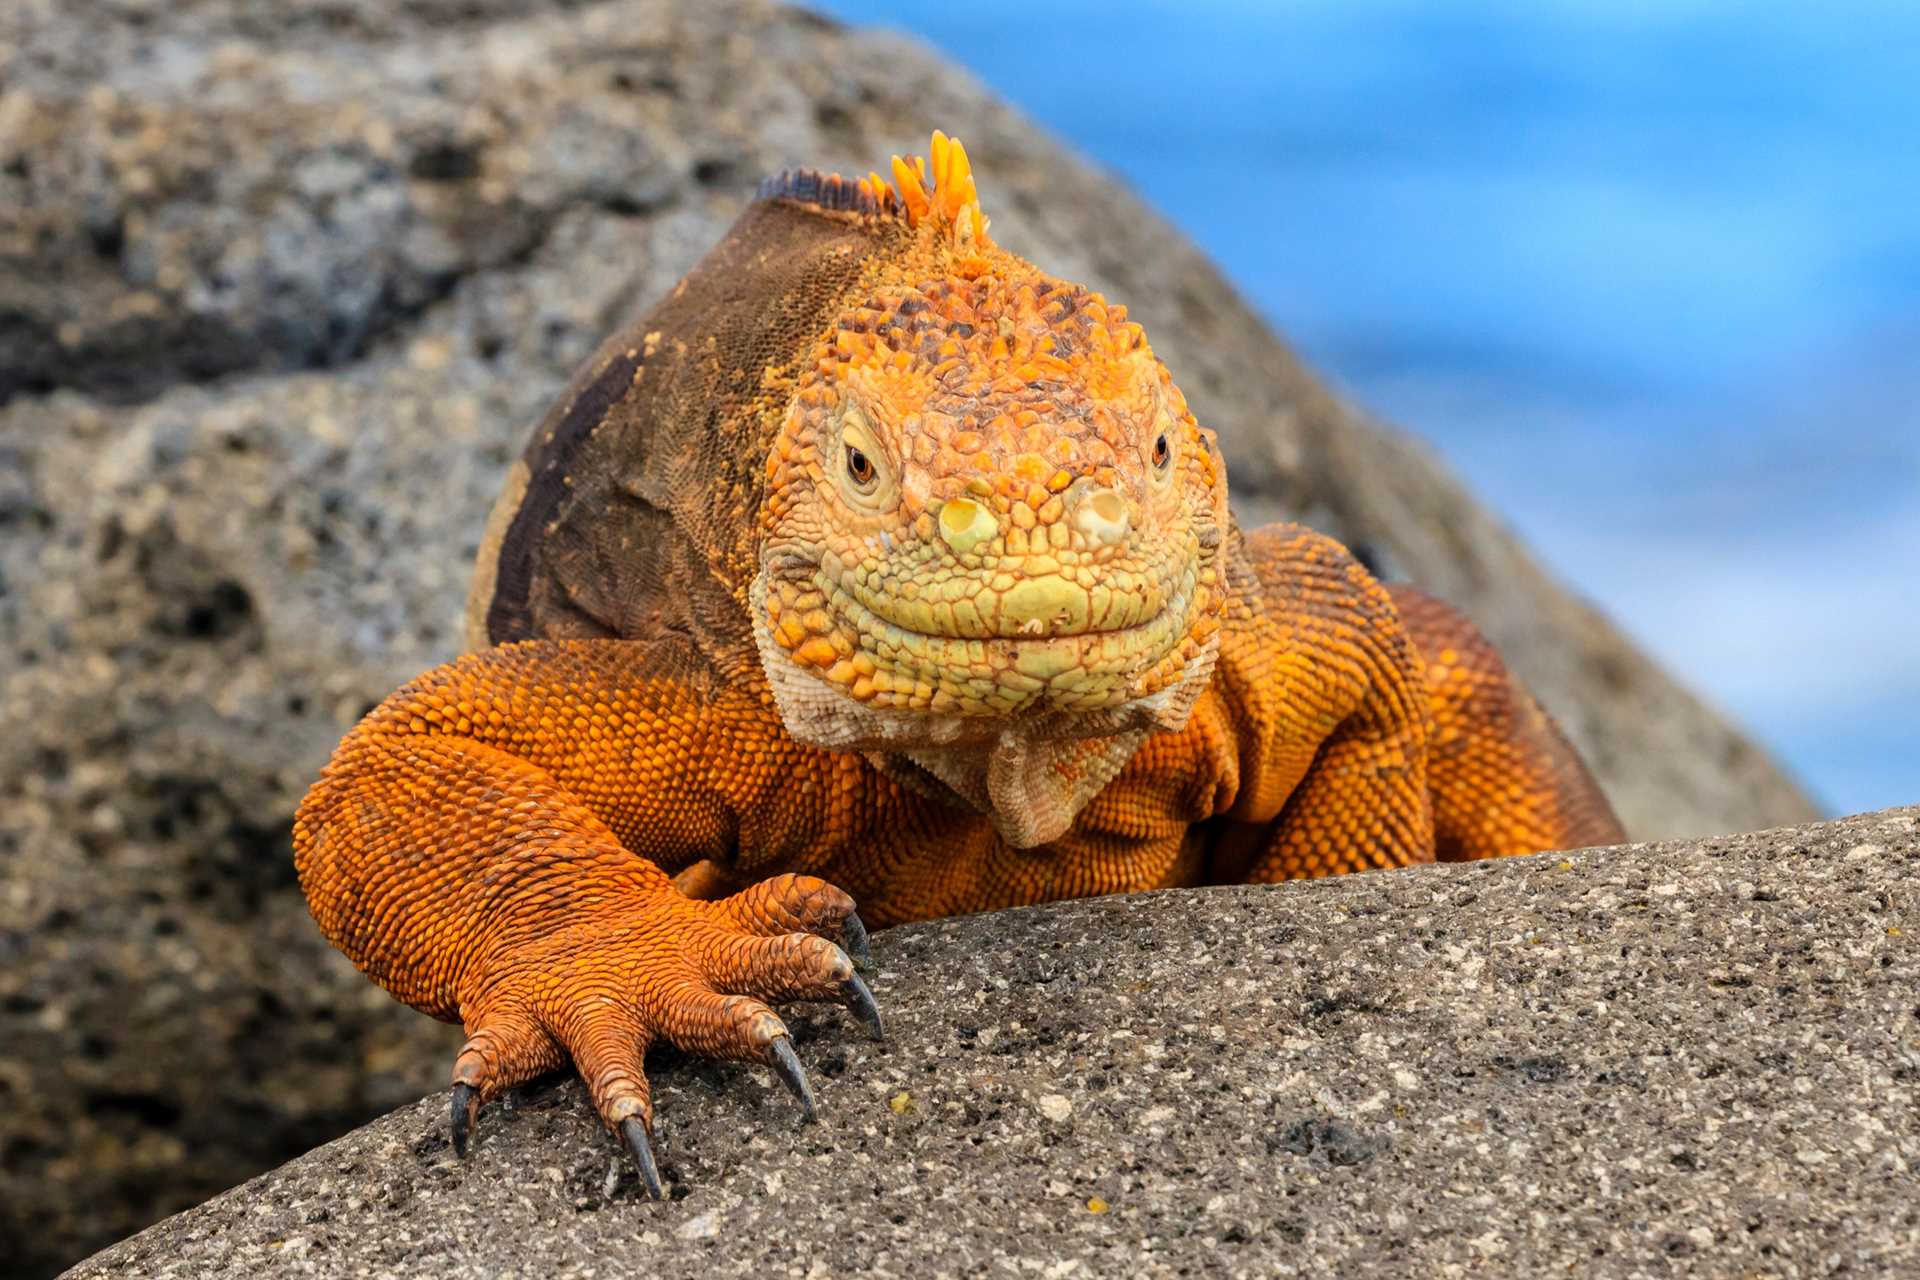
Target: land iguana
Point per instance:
(876, 565)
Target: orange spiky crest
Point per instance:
(951, 201)
(943, 207)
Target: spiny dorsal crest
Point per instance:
(947, 202)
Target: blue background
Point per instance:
(1648, 274)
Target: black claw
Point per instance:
(466, 1101)
(636, 1135)
(860, 1000)
(786, 1065)
(855, 934)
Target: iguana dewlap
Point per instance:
(875, 565)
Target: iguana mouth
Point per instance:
(1023, 603)
(1063, 668)
(1066, 663)
(1020, 601)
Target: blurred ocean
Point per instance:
(1646, 271)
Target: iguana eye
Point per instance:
(859, 468)
(864, 477)
(1162, 452)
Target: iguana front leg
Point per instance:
(492, 844)
(1363, 806)
(1325, 692)
(1378, 728)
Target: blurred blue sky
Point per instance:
(1648, 273)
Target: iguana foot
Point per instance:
(696, 974)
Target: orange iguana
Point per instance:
(877, 562)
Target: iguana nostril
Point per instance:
(965, 524)
(1102, 516)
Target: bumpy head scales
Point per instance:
(987, 504)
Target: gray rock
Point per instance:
(1615, 1062)
(282, 287)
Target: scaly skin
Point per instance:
(986, 636)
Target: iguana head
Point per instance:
(988, 510)
(949, 506)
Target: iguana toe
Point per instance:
(786, 1065)
(800, 904)
(853, 936)
(860, 1000)
(634, 1130)
(466, 1102)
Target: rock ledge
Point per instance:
(1608, 1061)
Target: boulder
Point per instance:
(1621, 1061)
(282, 287)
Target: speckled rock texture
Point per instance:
(282, 286)
(1652, 1060)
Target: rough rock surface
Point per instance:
(1640, 1061)
(281, 288)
